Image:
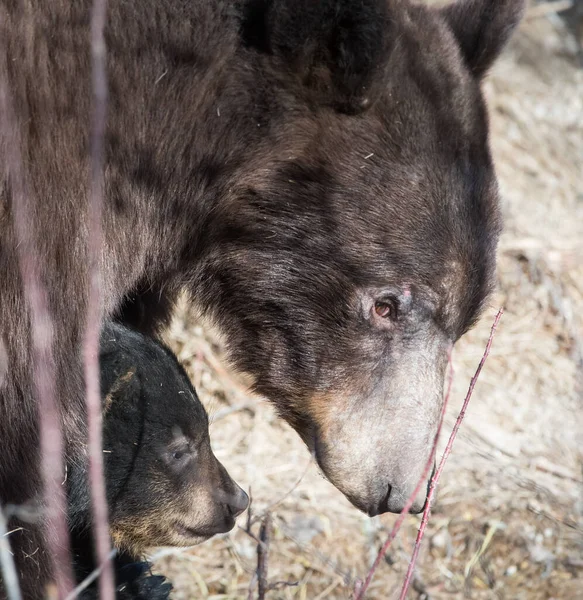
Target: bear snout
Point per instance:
(238, 502)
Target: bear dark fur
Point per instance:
(316, 175)
(164, 485)
(134, 579)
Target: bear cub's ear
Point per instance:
(338, 49)
(120, 354)
(124, 387)
(482, 29)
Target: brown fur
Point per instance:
(288, 168)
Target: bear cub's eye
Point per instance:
(179, 452)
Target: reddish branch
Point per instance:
(43, 365)
(91, 346)
(360, 588)
(437, 475)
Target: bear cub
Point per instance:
(164, 485)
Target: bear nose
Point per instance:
(379, 507)
(237, 503)
(395, 499)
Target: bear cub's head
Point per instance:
(165, 487)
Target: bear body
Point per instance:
(164, 485)
(316, 174)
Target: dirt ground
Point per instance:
(508, 521)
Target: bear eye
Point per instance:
(384, 309)
(179, 453)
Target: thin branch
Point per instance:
(260, 578)
(250, 521)
(360, 588)
(252, 536)
(277, 585)
(252, 585)
(91, 346)
(9, 575)
(41, 333)
(446, 453)
(262, 557)
(249, 509)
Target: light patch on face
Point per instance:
(163, 516)
(323, 408)
(377, 437)
(178, 520)
(154, 530)
(115, 388)
(342, 436)
(178, 434)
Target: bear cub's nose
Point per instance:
(237, 502)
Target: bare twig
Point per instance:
(437, 475)
(360, 588)
(277, 585)
(41, 326)
(9, 575)
(247, 529)
(91, 346)
(260, 575)
(262, 557)
(546, 466)
(252, 585)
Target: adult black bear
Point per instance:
(315, 173)
(165, 486)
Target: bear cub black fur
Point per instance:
(164, 485)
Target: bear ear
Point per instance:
(338, 49)
(482, 28)
(125, 386)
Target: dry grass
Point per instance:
(508, 522)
